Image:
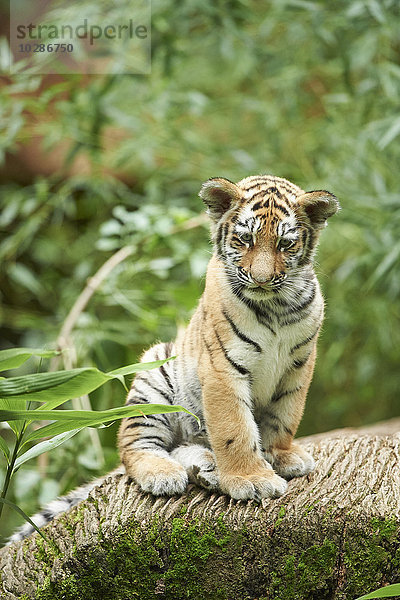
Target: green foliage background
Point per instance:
(308, 90)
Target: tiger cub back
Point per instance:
(245, 362)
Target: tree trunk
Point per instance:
(334, 535)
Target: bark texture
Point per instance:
(334, 535)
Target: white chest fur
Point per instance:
(280, 346)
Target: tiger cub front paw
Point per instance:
(290, 463)
(263, 484)
(160, 476)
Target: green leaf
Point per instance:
(48, 430)
(52, 387)
(4, 448)
(87, 418)
(45, 446)
(386, 592)
(55, 388)
(15, 357)
(24, 515)
(7, 404)
(135, 368)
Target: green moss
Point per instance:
(308, 575)
(141, 561)
(194, 559)
(46, 551)
(372, 560)
(281, 514)
(190, 547)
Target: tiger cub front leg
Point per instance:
(280, 420)
(243, 471)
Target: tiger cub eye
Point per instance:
(247, 238)
(285, 244)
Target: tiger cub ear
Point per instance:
(219, 194)
(318, 206)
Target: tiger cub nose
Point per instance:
(262, 280)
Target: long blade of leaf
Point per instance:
(91, 415)
(54, 389)
(24, 515)
(51, 429)
(135, 368)
(15, 357)
(13, 404)
(386, 592)
(87, 418)
(45, 446)
(36, 387)
(54, 429)
(4, 448)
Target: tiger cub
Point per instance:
(245, 361)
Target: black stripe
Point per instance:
(225, 233)
(304, 342)
(161, 392)
(262, 321)
(240, 334)
(151, 446)
(278, 425)
(272, 417)
(297, 308)
(257, 205)
(139, 423)
(276, 397)
(159, 418)
(218, 237)
(166, 377)
(169, 348)
(238, 368)
(210, 351)
(298, 364)
(47, 514)
(256, 184)
(138, 400)
(282, 209)
(261, 316)
(152, 439)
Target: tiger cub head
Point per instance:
(265, 231)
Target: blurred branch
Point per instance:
(93, 284)
(64, 341)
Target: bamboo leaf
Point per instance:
(135, 368)
(15, 357)
(55, 388)
(50, 429)
(59, 386)
(45, 446)
(13, 404)
(386, 592)
(82, 418)
(4, 448)
(24, 515)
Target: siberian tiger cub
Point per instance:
(245, 361)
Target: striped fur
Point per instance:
(245, 361)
